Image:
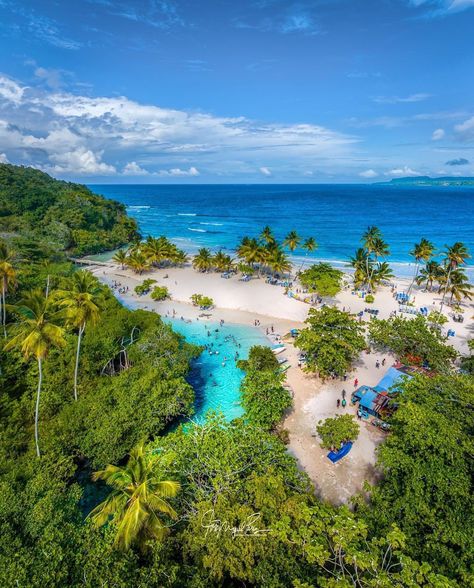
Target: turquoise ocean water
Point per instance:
(336, 215)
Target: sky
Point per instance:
(254, 91)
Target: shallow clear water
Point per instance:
(336, 215)
(215, 377)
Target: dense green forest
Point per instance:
(65, 216)
(124, 495)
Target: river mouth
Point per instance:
(214, 375)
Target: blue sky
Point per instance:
(251, 91)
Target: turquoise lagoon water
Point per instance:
(215, 376)
(218, 217)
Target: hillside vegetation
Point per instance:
(66, 216)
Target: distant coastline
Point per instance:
(428, 181)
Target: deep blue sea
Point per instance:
(218, 216)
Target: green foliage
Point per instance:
(429, 473)
(260, 358)
(160, 293)
(334, 431)
(414, 341)
(332, 341)
(322, 278)
(369, 299)
(202, 301)
(264, 397)
(67, 216)
(145, 286)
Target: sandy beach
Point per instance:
(245, 302)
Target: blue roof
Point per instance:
(368, 398)
(391, 377)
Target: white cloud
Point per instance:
(397, 99)
(401, 172)
(177, 172)
(370, 173)
(133, 169)
(265, 171)
(3, 158)
(437, 135)
(465, 131)
(438, 8)
(74, 134)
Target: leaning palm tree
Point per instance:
(120, 257)
(137, 499)
(267, 235)
(458, 286)
(422, 251)
(36, 333)
(292, 240)
(7, 280)
(381, 273)
(454, 256)
(309, 246)
(429, 274)
(83, 302)
(203, 260)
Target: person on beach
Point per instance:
(344, 403)
(377, 364)
(338, 403)
(356, 381)
(343, 393)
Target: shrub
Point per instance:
(145, 286)
(160, 293)
(202, 301)
(369, 299)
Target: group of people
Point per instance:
(342, 402)
(117, 286)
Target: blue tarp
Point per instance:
(391, 377)
(337, 455)
(367, 399)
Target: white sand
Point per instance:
(242, 303)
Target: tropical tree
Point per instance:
(83, 302)
(137, 500)
(382, 272)
(36, 333)
(422, 251)
(138, 261)
(7, 279)
(292, 240)
(454, 256)
(458, 286)
(267, 235)
(120, 257)
(334, 431)
(369, 242)
(362, 265)
(222, 262)
(277, 261)
(429, 274)
(309, 246)
(203, 260)
(250, 251)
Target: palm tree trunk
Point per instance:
(47, 287)
(78, 350)
(414, 278)
(38, 394)
(446, 288)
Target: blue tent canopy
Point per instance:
(367, 399)
(337, 455)
(391, 378)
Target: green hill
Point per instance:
(66, 216)
(427, 181)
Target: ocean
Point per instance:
(218, 216)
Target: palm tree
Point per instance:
(35, 335)
(379, 249)
(381, 273)
(267, 235)
(362, 265)
(422, 251)
(309, 245)
(458, 286)
(222, 262)
(137, 499)
(278, 262)
(120, 257)
(369, 241)
(83, 302)
(7, 280)
(454, 256)
(429, 274)
(203, 260)
(250, 251)
(292, 240)
(138, 261)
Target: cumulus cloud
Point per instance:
(177, 172)
(3, 158)
(439, 8)
(465, 131)
(369, 173)
(133, 169)
(458, 161)
(437, 135)
(402, 172)
(75, 134)
(265, 171)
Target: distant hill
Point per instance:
(427, 181)
(66, 216)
